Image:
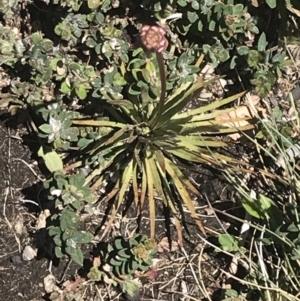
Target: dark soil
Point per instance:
(19, 280)
(23, 280)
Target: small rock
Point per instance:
(29, 253)
(16, 259)
(205, 95)
(50, 284)
(41, 221)
(19, 225)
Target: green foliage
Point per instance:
(9, 8)
(229, 243)
(149, 134)
(277, 131)
(69, 196)
(12, 47)
(51, 159)
(226, 32)
(121, 259)
(232, 295)
(290, 230)
(70, 29)
(58, 130)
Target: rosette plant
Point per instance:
(122, 260)
(151, 137)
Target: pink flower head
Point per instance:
(153, 38)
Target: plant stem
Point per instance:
(163, 79)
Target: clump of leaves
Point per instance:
(69, 196)
(58, 129)
(12, 46)
(9, 9)
(122, 259)
(267, 65)
(150, 138)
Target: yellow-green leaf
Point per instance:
(184, 195)
(151, 197)
(99, 123)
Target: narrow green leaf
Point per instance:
(119, 135)
(184, 196)
(135, 187)
(197, 140)
(174, 105)
(104, 123)
(144, 186)
(215, 130)
(112, 155)
(126, 178)
(212, 106)
(150, 197)
(156, 178)
(160, 159)
(171, 204)
(183, 178)
(128, 107)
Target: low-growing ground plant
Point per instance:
(108, 87)
(150, 137)
(122, 262)
(268, 245)
(68, 197)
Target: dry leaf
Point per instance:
(19, 225)
(71, 286)
(163, 245)
(209, 211)
(245, 113)
(255, 3)
(96, 262)
(293, 10)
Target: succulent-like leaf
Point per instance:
(115, 262)
(124, 254)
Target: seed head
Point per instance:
(153, 38)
